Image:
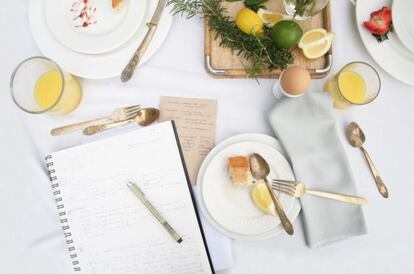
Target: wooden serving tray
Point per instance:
(220, 62)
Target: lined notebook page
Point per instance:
(112, 231)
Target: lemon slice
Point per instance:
(316, 43)
(263, 201)
(270, 18)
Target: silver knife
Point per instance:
(152, 27)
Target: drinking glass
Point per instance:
(39, 85)
(304, 9)
(342, 87)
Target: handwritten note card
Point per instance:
(196, 126)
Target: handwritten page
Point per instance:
(196, 127)
(110, 230)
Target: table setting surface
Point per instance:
(31, 235)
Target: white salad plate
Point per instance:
(391, 54)
(93, 26)
(95, 66)
(403, 21)
(230, 209)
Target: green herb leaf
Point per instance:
(301, 6)
(254, 4)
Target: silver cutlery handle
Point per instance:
(287, 225)
(136, 58)
(76, 126)
(338, 197)
(91, 130)
(378, 181)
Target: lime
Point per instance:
(286, 34)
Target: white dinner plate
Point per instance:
(231, 210)
(93, 26)
(391, 54)
(403, 21)
(95, 66)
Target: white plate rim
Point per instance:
(98, 66)
(363, 35)
(105, 43)
(260, 138)
(398, 21)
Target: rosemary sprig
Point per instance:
(260, 51)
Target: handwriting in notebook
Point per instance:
(112, 230)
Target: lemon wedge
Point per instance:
(316, 43)
(270, 18)
(263, 201)
(249, 22)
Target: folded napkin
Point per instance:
(306, 128)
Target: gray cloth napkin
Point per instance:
(306, 128)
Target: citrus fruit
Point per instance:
(261, 198)
(286, 34)
(249, 22)
(270, 18)
(315, 43)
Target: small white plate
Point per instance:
(95, 66)
(403, 21)
(391, 54)
(231, 210)
(93, 26)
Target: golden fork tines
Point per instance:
(117, 115)
(298, 189)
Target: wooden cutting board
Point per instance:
(220, 62)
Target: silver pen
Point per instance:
(141, 196)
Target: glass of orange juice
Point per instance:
(39, 85)
(357, 83)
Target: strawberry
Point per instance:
(380, 22)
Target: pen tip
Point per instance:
(180, 240)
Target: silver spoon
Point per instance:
(356, 138)
(260, 169)
(144, 117)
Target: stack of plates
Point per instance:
(230, 209)
(396, 55)
(91, 39)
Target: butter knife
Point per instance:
(152, 28)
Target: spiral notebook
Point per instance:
(107, 229)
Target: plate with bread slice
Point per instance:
(232, 200)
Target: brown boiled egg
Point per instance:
(295, 80)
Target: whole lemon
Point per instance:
(249, 22)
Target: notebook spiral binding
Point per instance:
(62, 213)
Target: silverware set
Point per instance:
(119, 117)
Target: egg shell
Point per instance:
(295, 80)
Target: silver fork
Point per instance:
(119, 114)
(298, 189)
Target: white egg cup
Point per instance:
(279, 92)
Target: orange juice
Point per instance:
(352, 86)
(48, 91)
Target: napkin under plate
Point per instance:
(306, 128)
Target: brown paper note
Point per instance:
(195, 120)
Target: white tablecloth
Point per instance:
(31, 238)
